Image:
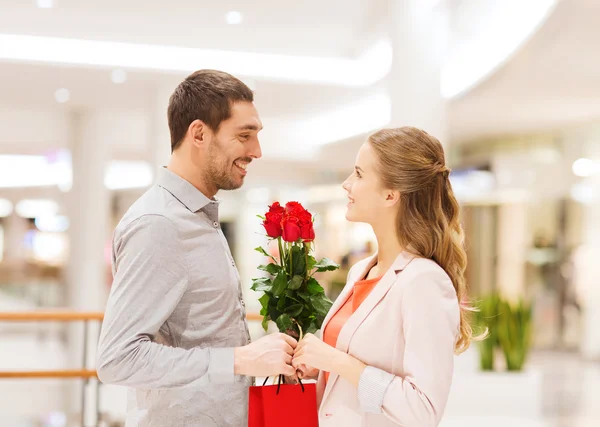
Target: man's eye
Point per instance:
(244, 137)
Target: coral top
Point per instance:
(361, 290)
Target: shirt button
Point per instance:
(233, 263)
(243, 303)
(216, 224)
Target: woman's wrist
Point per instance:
(350, 368)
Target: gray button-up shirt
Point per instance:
(175, 312)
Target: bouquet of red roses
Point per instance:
(292, 298)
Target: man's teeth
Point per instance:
(241, 165)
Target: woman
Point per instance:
(386, 358)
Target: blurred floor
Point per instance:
(570, 395)
(569, 388)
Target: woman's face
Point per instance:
(367, 198)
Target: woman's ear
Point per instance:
(392, 197)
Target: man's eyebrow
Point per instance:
(249, 127)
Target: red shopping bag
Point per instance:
(283, 405)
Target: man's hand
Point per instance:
(269, 356)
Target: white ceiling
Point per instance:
(552, 81)
(309, 27)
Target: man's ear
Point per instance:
(198, 133)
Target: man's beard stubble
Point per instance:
(220, 172)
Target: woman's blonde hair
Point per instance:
(412, 161)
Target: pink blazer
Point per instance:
(405, 331)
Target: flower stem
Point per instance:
(300, 330)
(281, 254)
(306, 249)
(291, 258)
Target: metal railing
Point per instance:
(85, 374)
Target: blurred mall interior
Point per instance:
(510, 87)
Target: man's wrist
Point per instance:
(239, 361)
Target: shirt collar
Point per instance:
(184, 191)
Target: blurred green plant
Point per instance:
(515, 332)
(486, 320)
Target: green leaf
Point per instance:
(272, 269)
(313, 287)
(261, 284)
(321, 304)
(298, 261)
(274, 313)
(284, 323)
(292, 295)
(295, 283)
(265, 323)
(261, 217)
(326, 265)
(279, 284)
(264, 301)
(319, 322)
(281, 304)
(262, 251)
(294, 310)
(312, 329)
(303, 295)
(311, 263)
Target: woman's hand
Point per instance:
(307, 373)
(314, 353)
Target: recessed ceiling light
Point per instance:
(118, 76)
(32, 208)
(585, 167)
(372, 65)
(45, 4)
(62, 95)
(6, 207)
(233, 17)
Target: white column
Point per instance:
(419, 33)
(88, 211)
(15, 229)
(587, 272)
(249, 234)
(160, 138)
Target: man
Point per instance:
(175, 328)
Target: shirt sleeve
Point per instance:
(430, 325)
(150, 278)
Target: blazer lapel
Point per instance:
(338, 303)
(359, 316)
(347, 291)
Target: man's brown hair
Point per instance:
(205, 95)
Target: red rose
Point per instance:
(276, 208)
(293, 207)
(291, 229)
(307, 232)
(304, 220)
(272, 222)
